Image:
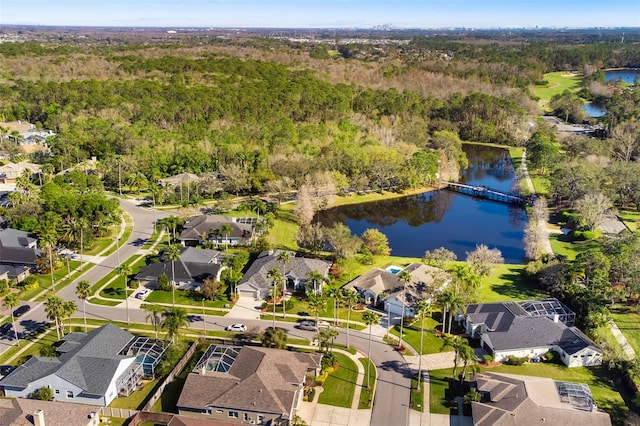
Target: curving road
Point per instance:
(391, 402)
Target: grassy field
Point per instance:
(558, 82)
(430, 343)
(340, 386)
(366, 395)
(630, 218)
(570, 249)
(628, 321)
(602, 387)
(136, 399)
(506, 283)
(417, 397)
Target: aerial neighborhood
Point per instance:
(354, 227)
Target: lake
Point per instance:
(429, 220)
(628, 75)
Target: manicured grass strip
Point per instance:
(169, 399)
(183, 297)
(32, 344)
(115, 289)
(366, 395)
(439, 391)
(341, 384)
(104, 302)
(417, 397)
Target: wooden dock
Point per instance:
(486, 193)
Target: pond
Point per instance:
(433, 219)
(628, 75)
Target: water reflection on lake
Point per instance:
(435, 219)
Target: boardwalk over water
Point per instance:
(486, 193)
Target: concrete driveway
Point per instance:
(245, 308)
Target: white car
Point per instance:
(237, 327)
(143, 294)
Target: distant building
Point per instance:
(249, 385)
(18, 254)
(11, 171)
(512, 400)
(208, 229)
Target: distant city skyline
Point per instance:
(323, 13)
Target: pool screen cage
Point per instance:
(549, 308)
(218, 358)
(577, 394)
(148, 353)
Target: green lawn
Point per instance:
(507, 283)
(630, 218)
(561, 246)
(136, 399)
(117, 286)
(628, 321)
(169, 398)
(601, 383)
(417, 397)
(340, 386)
(540, 184)
(558, 82)
(430, 343)
(191, 298)
(366, 395)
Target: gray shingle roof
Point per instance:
(193, 264)
(260, 379)
(89, 364)
(298, 269)
(10, 237)
(511, 327)
(195, 226)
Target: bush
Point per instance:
(329, 361)
(488, 359)
(514, 360)
(44, 393)
(583, 235)
(48, 351)
(163, 282)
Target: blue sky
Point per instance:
(323, 13)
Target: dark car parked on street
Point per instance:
(21, 311)
(5, 328)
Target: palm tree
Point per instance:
(334, 293)
(11, 301)
(125, 270)
(317, 303)
(325, 335)
(458, 344)
(469, 358)
(68, 309)
(226, 229)
(405, 278)
(83, 290)
(275, 277)
(284, 258)
(349, 297)
(53, 309)
(370, 318)
(172, 223)
(422, 308)
(153, 315)
(316, 278)
(81, 224)
(174, 318)
(173, 253)
(48, 239)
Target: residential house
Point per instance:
(510, 400)
(11, 171)
(91, 368)
(380, 285)
(530, 329)
(209, 229)
(18, 254)
(179, 179)
(246, 384)
(192, 267)
(255, 282)
(29, 412)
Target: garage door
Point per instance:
(247, 293)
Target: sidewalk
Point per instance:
(327, 415)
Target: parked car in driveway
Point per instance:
(143, 294)
(21, 311)
(237, 327)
